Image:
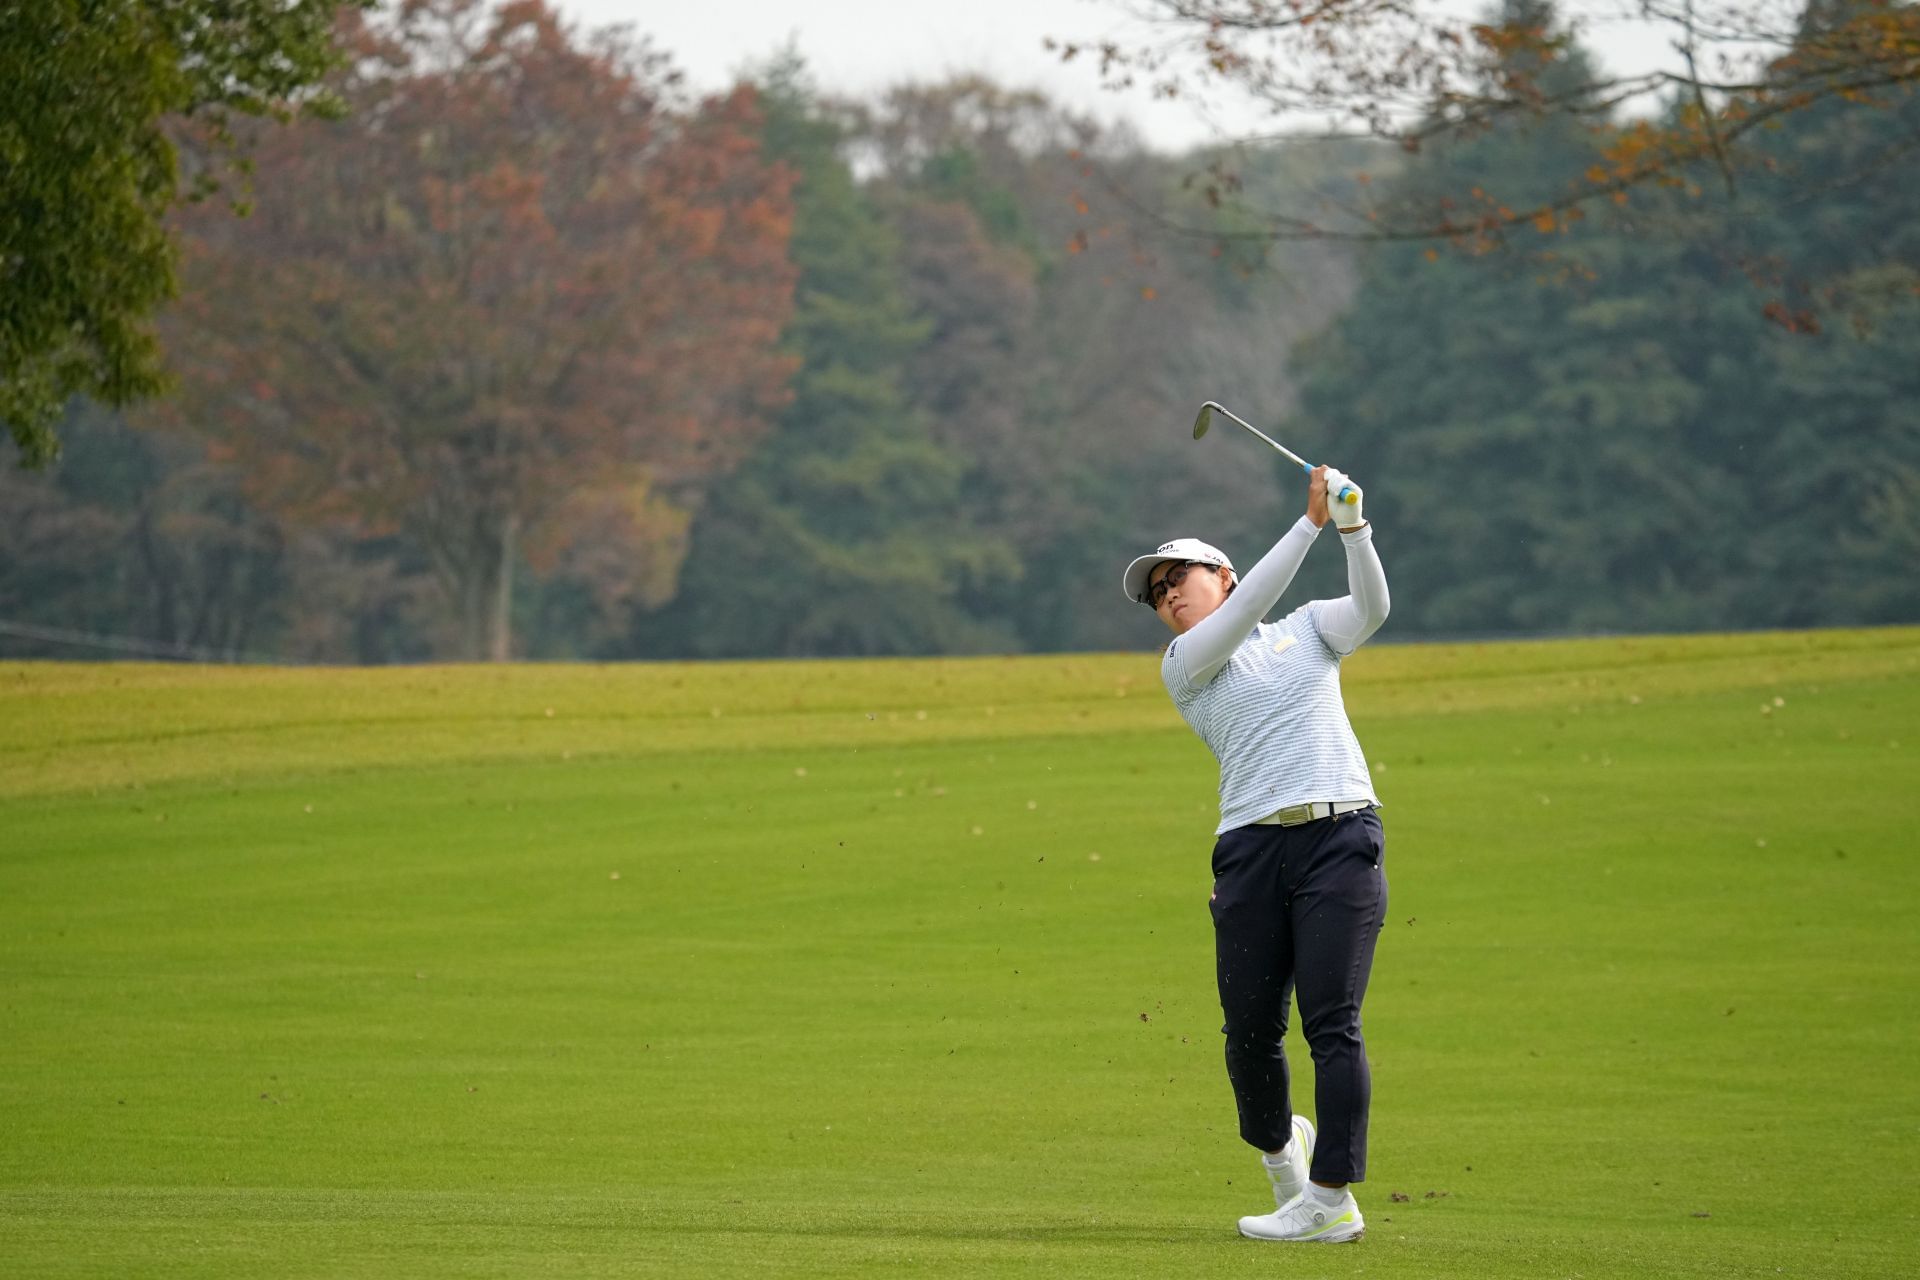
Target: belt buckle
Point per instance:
(1294, 814)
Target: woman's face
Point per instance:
(1190, 592)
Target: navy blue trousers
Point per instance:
(1298, 909)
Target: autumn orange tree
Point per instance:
(514, 302)
(1415, 73)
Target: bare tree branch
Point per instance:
(1415, 73)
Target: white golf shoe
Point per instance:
(1304, 1218)
(1290, 1178)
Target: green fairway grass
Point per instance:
(905, 968)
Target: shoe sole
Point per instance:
(1352, 1237)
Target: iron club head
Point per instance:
(1205, 420)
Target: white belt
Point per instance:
(1295, 814)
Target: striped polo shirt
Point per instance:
(1274, 719)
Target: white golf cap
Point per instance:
(1181, 549)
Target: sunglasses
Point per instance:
(1157, 592)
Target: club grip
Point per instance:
(1346, 494)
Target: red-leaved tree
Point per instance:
(512, 292)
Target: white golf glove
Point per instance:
(1343, 515)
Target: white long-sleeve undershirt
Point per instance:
(1344, 624)
(1347, 623)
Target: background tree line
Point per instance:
(1697, 407)
(526, 354)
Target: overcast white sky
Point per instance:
(858, 47)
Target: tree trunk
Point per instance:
(500, 619)
(486, 593)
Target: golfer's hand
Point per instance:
(1317, 497)
(1346, 515)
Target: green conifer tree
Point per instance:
(1608, 429)
(842, 534)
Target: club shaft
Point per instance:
(1282, 449)
(1345, 495)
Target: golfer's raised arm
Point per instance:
(1206, 648)
(1346, 623)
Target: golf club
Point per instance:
(1205, 420)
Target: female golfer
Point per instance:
(1298, 891)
